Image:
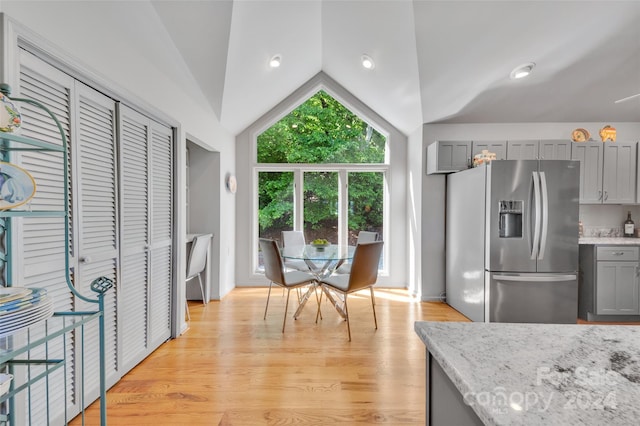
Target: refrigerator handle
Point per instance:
(536, 208)
(540, 278)
(545, 215)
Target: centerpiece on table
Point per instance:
(320, 243)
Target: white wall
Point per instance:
(433, 186)
(212, 210)
(608, 215)
(395, 243)
(125, 42)
(124, 49)
(414, 207)
(206, 194)
(432, 234)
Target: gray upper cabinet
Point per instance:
(591, 157)
(448, 156)
(549, 149)
(522, 150)
(555, 149)
(497, 147)
(619, 173)
(607, 172)
(637, 176)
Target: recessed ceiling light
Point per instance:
(275, 61)
(367, 62)
(522, 71)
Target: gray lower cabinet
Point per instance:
(617, 288)
(609, 283)
(446, 405)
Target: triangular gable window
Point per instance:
(321, 131)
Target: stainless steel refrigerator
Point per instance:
(512, 241)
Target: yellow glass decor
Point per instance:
(9, 116)
(608, 133)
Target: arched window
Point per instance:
(321, 169)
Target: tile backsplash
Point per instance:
(596, 231)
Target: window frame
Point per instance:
(397, 243)
(298, 170)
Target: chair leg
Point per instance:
(268, 295)
(286, 307)
(315, 291)
(186, 306)
(318, 313)
(204, 302)
(346, 311)
(373, 304)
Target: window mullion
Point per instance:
(343, 207)
(298, 197)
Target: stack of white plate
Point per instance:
(22, 307)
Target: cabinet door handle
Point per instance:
(85, 259)
(599, 195)
(606, 195)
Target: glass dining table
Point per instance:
(322, 261)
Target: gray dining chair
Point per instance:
(364, 274)
(274, 270)
(196, 264)
(363, 237)
(294, 238)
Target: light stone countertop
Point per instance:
(541, 374)
(609, 241)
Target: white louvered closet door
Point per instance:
(88, 119)
(38, 243)
(94, 152)
(161, 166)
(146, 184)
(135, 136)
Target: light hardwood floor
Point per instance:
(234, 368)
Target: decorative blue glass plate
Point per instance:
(17, 186)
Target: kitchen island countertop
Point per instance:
(535, 374)
(609, 241)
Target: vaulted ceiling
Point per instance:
(435, 61)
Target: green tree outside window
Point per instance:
(320, 131)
